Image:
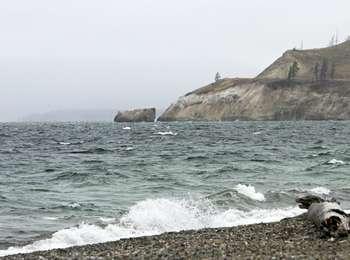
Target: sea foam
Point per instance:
(321, 191)
(335, 161)
(249, 191)
(166, 133)
(156, 216)
(64, 143)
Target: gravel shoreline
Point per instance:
(290, 238)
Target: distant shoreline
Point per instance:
(289, 238)
(167, 122)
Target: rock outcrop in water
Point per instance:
(271, 96)
(137, 115)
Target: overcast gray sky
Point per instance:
(97, 54)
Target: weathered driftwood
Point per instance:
(326, 214)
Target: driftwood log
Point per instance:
(326, 215)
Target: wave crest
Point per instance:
(321, 191)
(156, 216)
(250, 192)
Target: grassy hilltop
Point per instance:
(337, 56)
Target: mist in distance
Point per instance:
(115, 55)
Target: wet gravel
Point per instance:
(294, 238)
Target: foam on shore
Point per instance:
(156, 216)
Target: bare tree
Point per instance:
(336, 37)
(332, 41)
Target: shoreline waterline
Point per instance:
(289, 238)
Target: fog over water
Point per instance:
(111, 54)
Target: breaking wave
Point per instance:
(321, 191)
(166, 133)
(156, 216)
(336, 162)
(249, 191)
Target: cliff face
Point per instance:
(270, 96)
(137, 115)
(264, 100)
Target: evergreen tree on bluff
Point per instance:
(316, 71)
(332, 72)
(217, 77)
(324, 70)
(293, 70)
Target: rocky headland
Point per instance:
(136, 115)
(319, 89)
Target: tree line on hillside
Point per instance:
(321, 72)
(293, 70)
(324, 71)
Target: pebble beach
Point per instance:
(293, 238)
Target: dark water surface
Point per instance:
(160, 177)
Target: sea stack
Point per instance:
(136, 115)
(300, 85)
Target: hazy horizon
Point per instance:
(89, 55)
(76, 115)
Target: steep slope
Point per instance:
(338, 55)
(270, 96)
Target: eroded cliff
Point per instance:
(270, 96)
(259, 99)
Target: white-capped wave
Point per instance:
(156, 216)
(64, 143)
(50, 218)
(166, 133)
(249, 191)
(74, 205)
(335, 161)
(107, 220)
(320, 190)
(127, 128)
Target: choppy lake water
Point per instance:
(79, 183)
